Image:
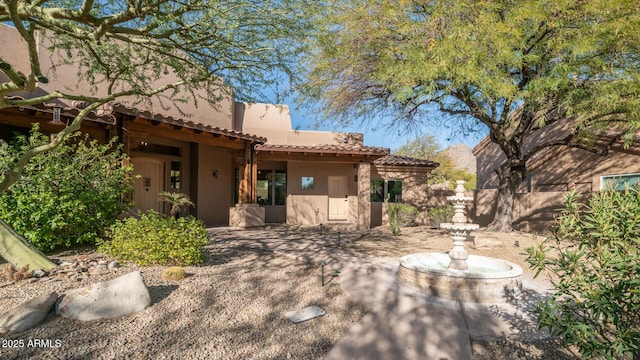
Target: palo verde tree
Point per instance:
(513, 67)
(136, 49)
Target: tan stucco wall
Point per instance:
(363, 211)
(274, 123)
(215, 195)
(489, 155)
(306, 137)
(311, 206)
(533, 212)
(13, 49)
(580, 169)
(414, 191)
(267, 120)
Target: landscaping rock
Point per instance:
(27, 315)
(98, 270)
(486, 243)
(173, 273)
(121, 296)
(38, 273)
(113, 265)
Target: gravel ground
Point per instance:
(233, 307)
(380, 242)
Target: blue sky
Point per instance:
(384, 137)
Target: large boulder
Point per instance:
(121, 296)
(27, 315)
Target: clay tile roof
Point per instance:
(101, 115)
(339, 149)
(397, 160)
(189, 124)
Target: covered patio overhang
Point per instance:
(360, 156)
(138, 126)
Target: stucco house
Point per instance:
(241, 164)
(553, 172)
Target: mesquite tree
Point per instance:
(136, 49)
(512, 67)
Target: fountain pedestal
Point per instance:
(459, 234)
(459, 230)
(458, 275)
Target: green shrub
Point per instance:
(400, 214)
(156, 239)
(68, 195)
(406, 214)
(593, 258)
(441, 214)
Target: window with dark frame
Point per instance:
(381, 189)
(175, 175)
(271, 187)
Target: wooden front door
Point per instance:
(149, 184)
(338, 197)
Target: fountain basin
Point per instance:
(488, 280)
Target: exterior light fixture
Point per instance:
(56, 116)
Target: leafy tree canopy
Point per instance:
(512, 66)
(427, 147)
(178, 51)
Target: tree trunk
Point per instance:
(510, 179)
(18, 251)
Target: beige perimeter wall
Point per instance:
(533, 212)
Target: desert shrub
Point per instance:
(156, 239)
(400, 214)
(173, 273)
(9, 272)
(68, 195)
(405, 213)
(441, 214)
(593, 258)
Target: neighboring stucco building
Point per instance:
(552, 173)
(241, 164)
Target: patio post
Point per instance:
(364, 201)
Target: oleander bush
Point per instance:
(441, 214)
(593, 261)
(68, 195)
(154, 239)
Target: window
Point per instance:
(308, 182)
(175, 175)
(271, 187)
(619, 182)
(377, 191)
(381, 189)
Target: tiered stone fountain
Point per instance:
(458, 275)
